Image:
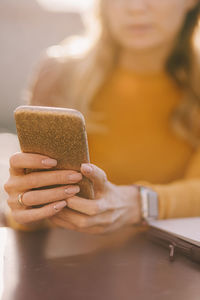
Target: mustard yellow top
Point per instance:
(138, 145)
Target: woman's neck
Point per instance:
(148, 61)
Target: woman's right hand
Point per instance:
(21, 183)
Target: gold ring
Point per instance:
(19, 199)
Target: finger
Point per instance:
(92, 207)
(76, 219)
(26, 216)
(86, 206)
(20, 161)
(61, 223)
(40, 179)
(107, 218)
(105, 229)
(38, 197)
(83, 221)
(96, 175)
(96, 229)
(64, 224)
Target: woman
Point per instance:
(135, 82)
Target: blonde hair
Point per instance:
(88, 61)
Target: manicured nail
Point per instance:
(75, 177)
(72, 190)
(49, 162)
(87, 168)
(60, 205)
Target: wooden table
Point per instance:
(61, 264)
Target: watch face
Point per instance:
(149, 199)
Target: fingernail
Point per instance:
(49, 162)
(87, 168)
(60, 205)
(75, 177)
(72, 190)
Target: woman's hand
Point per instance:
(113, 207)
(52, 198)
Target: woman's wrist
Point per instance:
(135, 197)
(149, 203)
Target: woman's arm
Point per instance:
(50, 201)
(10, 146)
(48, 88)
(117, 206)
(113, 207)
(50, 84)
(180, 198)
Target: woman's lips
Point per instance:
(139, 28)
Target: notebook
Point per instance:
(181, 235)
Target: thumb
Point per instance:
(96, 175)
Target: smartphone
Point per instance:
(58, 133)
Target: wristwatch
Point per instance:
(149, 203)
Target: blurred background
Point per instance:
(27, 27)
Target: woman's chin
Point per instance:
(141, 44)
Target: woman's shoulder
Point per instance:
(51, 81)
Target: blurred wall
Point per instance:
(26, 29)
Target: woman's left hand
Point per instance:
(112, 208)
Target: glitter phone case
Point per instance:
(58, 133)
